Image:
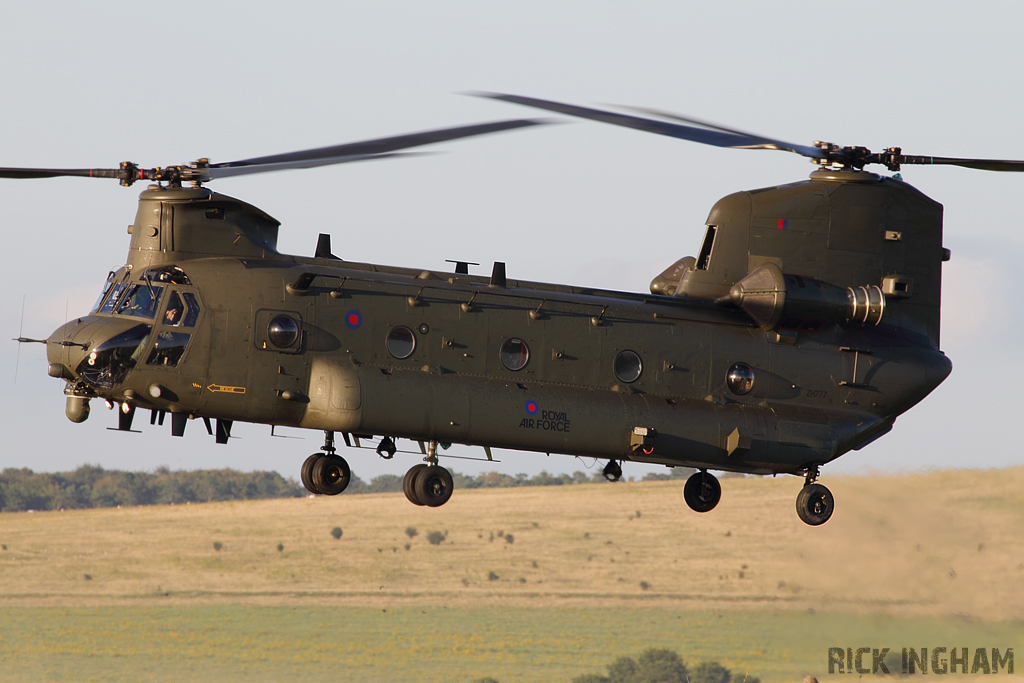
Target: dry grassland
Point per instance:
(942, 543)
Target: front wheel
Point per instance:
(306, 473)
(814, 504)
(409, 483)
(434, 486)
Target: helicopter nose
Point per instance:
(69, 344)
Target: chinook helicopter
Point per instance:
(806, 324)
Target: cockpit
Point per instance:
(168, 309)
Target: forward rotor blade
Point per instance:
(979, 164)
(232, 171)
(378, 147)
(29, 173)
(708, 135)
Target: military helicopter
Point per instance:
(806, 324)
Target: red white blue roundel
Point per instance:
(531, 407)
(353, 319)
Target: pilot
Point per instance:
(172, 316)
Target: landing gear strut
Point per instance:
(326, 473)
(814, 503)
(702, 491)
(428, 484)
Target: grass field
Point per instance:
(591, 572)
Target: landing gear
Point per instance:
(814, 503)
(612, 471)
(702, 491)
(430, 485)
(326, 473)
(408, 484)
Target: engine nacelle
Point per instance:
(769, 296)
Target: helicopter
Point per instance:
(806, 324)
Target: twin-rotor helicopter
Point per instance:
(805, 325)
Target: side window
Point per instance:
(192, 312)
(173, 314)
(704, 258)
(168, 348)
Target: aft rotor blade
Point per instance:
(766, 143)
(377, 147)
(707, 134)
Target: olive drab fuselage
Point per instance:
(769, 352)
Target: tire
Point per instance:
(702, 492)
(815, 504)
(331, 475)
(408, 484)
(306, 473)
(433, 486)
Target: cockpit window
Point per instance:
(106, 290)
(172, 275)
(168, 348)
(141, 301)
(108, 305)
(192, 314)
(108, 364)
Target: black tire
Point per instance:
(408, 484)
(331, 475)
(815, 504)
(702, 492)
(433, 486)
(306, 473)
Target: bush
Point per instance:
(491, 576)
(654, 665)
(280, 547)
(217, 545)
(710, 672)
(410, 531)
(436, 537)
(336, 532)
(510, 538)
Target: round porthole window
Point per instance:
(515, 354)
(283, 332)
(401, 342)
(740, 379)
(628, 366)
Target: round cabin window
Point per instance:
(515, 354)
(283, 332)
(401, 342)
(628, 366)
(740, 379)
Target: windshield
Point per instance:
(103, 294)
(141, 301)
(108, 364)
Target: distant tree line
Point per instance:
(91, 486)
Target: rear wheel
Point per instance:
(815, 504)
(702, 491)
(331, 475)
(409, 483)
(434, 486)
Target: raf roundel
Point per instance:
(531, 407)
(353, 319)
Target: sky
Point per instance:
(91, 85)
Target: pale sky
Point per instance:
(90, 85)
